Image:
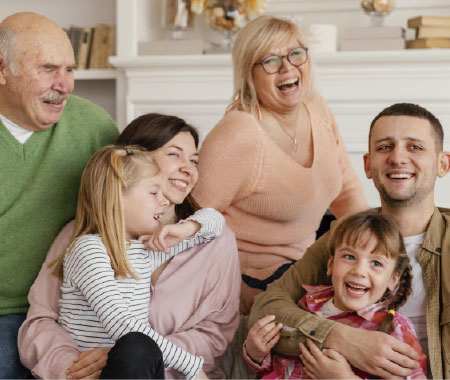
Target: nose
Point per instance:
(187, 167)
(163, 201)
(359, 269)
(63, 82)
(398, 156)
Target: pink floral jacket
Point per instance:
(276, 366)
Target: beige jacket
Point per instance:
(282, 296)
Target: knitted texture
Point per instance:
(39, 183)
(273, 204)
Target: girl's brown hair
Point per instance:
(356, 231)
(99, 210)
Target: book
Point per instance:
(103, 45)
(74, 37)
(374, 32)
(432, 32)
(371, 44)
(428, 43)
(429, 21)
(84, 46)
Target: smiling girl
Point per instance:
(106, 268)
(371, 278)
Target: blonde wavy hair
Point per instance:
(99, 210)
(252, 44)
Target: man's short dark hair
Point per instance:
(413, 110)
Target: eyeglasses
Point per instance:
(273, 63)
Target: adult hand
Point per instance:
(373, 352)
(326, 364)
(167, 236)
(262, 337)
(89, 364)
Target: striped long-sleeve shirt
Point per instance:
(98, 308)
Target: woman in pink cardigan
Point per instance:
(195, 297)
(275, 162)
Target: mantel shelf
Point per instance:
(96, 74)
(414, 57)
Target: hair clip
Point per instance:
(392, 311)
(129, 152)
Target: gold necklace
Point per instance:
(294, 144)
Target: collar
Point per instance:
(432, 241)
(316, 296)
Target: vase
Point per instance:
(227, 16)
(377, 10)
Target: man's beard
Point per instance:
(401, 201)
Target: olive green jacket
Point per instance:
(281, 297)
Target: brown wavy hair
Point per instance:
(356, 231)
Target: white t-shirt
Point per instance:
(21, 134)
(415, 307)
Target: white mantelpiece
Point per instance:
(356, 85)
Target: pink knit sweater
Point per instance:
(273, 204)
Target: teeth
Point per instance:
(179, 183)
(287, 81)
(357, 289)
(400, 176)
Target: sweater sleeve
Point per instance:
(45, 347)
(211, 222)
(351, 198)
(89, 268)
(230, 162)
(282, 296)
(209, 327)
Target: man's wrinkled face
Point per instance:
(37, 95)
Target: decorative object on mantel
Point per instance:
(178, 17)
(431, 32)
(376, 36)
(377, 10)
(227, 16)
(322, 37)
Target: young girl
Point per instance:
(106, 270)
(371, 278)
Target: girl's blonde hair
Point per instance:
(356, 231)
(99, 210)
(252, 44)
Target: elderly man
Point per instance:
(405, 158)
(46, 138)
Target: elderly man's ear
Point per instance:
(2, 71)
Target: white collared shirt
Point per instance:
(21, 134)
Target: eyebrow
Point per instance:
(181, 149)
(389, 138)
(53, 66)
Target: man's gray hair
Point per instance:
(7, 48)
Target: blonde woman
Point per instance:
(276, 161)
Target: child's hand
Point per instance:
(167, 236)
(326, 364)
(262, 337)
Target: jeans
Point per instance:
(134, 356)
(10, 365)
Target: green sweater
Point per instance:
(39, 183)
